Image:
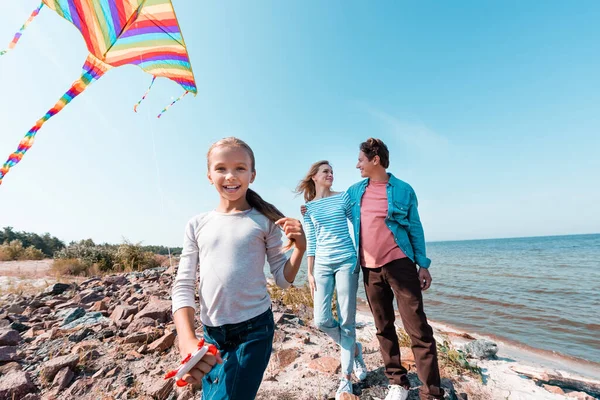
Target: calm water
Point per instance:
(543, 292)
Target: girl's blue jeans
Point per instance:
(246, 350)
(343, 279)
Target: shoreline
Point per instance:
(508, 349)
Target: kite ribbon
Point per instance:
(93, 69)
(145, 94)
(18, 35)
(174, 101)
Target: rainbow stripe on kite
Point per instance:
(145, 33)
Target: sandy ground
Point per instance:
(22, 276)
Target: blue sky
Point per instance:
(490, 110)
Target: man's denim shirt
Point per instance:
(402, 218)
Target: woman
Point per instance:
(332, 265)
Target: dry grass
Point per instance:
(453, 362)
(403, 338)
(72, 267)
(293, 297)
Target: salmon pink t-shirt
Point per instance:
(377, 244)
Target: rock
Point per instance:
(15, 309)
(328, 365)
(159, 310)
(89, 319)
(9, 353)
(57, 288)
(348, 396)
(84, 347)
(101, 305)
(9, 337)
(481, 349)
(80, 335)
(118, 280)
(19, 327)
(579, 396)
(140, 337)
(15, 385)
(553, 389)
(11, 366)
(63, 378)
(88, 296)
(141, 323)
(4, 323)
(51, 367)
(286, 357)
(71, 314)
(160, 389)
(186, 395)
(31, 396)
(162, 343)
(407, 358)
(122, 312)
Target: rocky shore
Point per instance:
(113, 337)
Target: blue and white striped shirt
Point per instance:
(326, 227)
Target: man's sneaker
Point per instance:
(360, 369)
(397, 392)
(345, 387)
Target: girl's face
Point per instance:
(230, 170)
(324, 176)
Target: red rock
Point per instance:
(553, 389)
(11, 366)
(141, 323)
(160, 389)
(15, 385)
(122, 312)
(101, 305)
(9, 353)
(326, 365)
(348, 396)
(9, 337)
(51, 367)
(63, 378)
(159, 310)
(84, 346)
(579, 396)
(162, 343)
(286, 357)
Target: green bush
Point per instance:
(103, 257)
(14, 250)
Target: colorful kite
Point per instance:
(117, 32)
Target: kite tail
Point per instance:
(174, 101)
(18, 35)
(93, 69)
(145, 94)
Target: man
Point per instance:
(390, 241)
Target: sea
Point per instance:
(539, 292)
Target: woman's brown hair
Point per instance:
(253, 198)
(307, 186)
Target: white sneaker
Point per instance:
(345, 387)
(397, 392)
(360, 368)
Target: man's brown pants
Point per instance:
(399, 278)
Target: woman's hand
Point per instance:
(195, 375)
(313, 285)
(292, 228)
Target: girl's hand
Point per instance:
(195, 375)
(312, 284)
(292, 228)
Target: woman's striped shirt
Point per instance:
(326, 227)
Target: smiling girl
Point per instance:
(228, 247)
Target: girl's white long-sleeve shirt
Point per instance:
(229, 251)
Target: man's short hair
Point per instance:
(375, 147)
